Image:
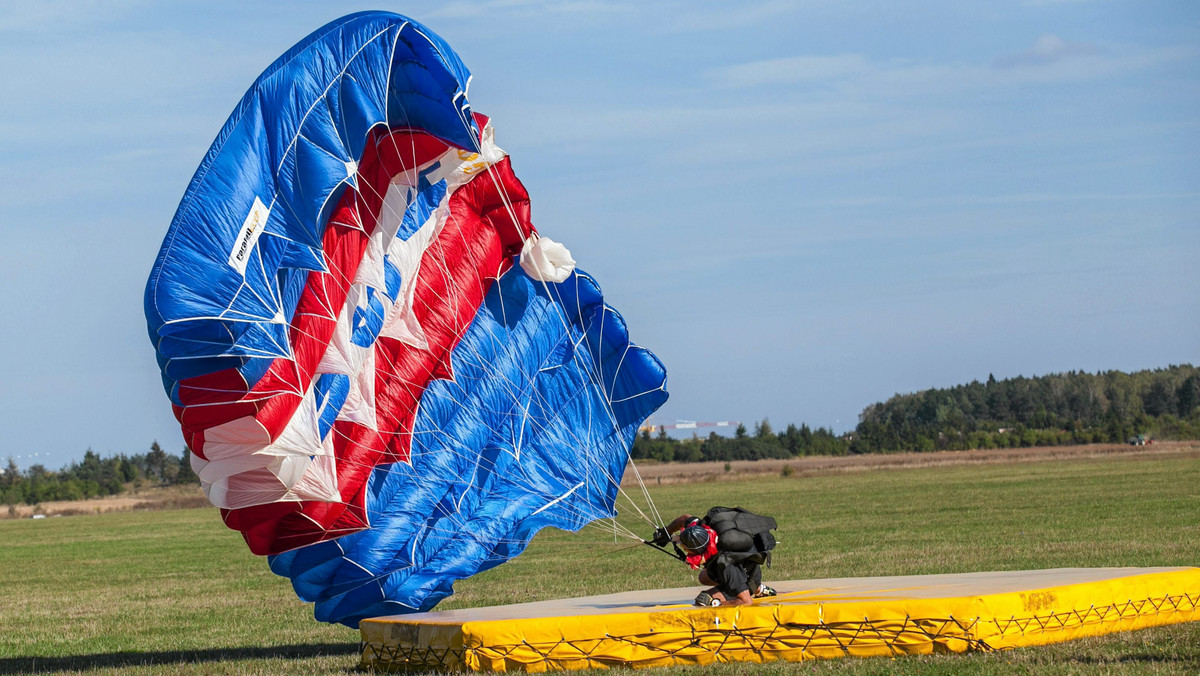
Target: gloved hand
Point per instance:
(661, 537)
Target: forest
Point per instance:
(1051, 410)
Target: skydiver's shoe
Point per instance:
(706, 600)
(764, 590)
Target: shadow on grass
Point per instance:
(43, 665)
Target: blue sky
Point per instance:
(801, 207)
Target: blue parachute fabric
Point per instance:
(290, 144)
(532, 431)
(534, 424)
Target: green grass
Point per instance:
(176, 592)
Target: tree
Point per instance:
(11, 475)
(805, 437)
(1078, 406)
(1187, 397)
(997, 400)
(186, 474)
(156, 462)
(790, 438)
(89, 468)
(763, 429)
(1159, 399)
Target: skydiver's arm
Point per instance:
(662, 536)
(679, 523)
(743, 599)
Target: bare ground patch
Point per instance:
(162, 497)
(695, 472)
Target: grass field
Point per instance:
(171, 592)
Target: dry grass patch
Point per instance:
(153, 498)
(810, 466)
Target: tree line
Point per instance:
(1057, 409)
(763, 443)
(94, 476)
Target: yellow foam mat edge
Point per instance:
(788, 628)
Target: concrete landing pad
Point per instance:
(809, 619)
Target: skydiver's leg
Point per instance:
(713, 592)
(729, 580)
(758, 589)
(753, 576)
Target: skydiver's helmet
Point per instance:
(694, 538)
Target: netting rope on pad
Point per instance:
(783, 640)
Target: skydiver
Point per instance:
(730, 545)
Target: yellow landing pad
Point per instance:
(810, 619)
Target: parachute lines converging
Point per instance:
(388, 378)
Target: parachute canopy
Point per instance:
(375, 392)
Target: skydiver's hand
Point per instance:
(661, 537)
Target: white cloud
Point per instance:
(39, 15)
(477, 10)
(1043, 3)
(1060, 61)
(692, 19)
(791, 70)
(1049, 59)
(659, 17)
(1046, 50)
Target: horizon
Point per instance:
(726, 430)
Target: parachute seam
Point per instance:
(591, 374)
(186, 203)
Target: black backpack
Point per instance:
(742, 535)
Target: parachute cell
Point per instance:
(375, 394)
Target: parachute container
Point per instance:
(388, 379)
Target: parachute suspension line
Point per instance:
(657, 518)
(325, 93)
(276, 298)
(507, 201)
(624, 531)
(608, 408)
(356, 428)
(453, 517)
(513, 390)
(444, 270)
(567, 331)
